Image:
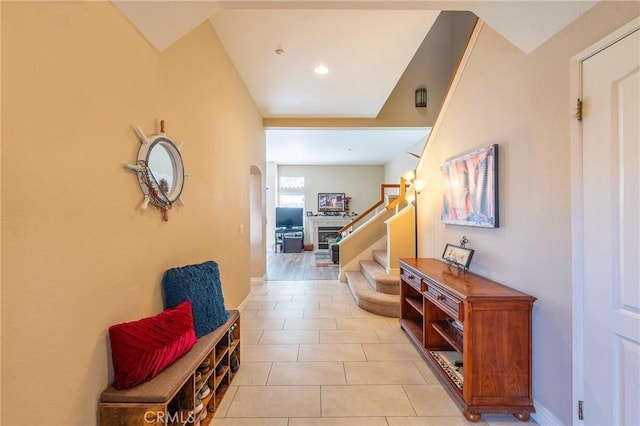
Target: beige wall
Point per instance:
(431, 67)
(361, 183)
(402, 163)
(0, 224)
(521, 102)
(77, 253)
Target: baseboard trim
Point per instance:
(243, 305)
(543, 417)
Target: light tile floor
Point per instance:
(311, 357)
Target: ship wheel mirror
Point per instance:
(165, 165)
(160, 171)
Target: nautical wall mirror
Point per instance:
(160, 171)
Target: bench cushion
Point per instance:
(142, 349)
(165, 385)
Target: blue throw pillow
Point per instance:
(200, 284)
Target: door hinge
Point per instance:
(579, 110)
(580, 412)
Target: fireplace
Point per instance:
(325, 233)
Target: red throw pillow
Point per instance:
(142, 349)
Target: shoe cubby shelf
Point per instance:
(188, 392)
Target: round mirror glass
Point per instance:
(161, 165)
(165, 165)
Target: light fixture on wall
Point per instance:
(414, 186)
(421, 97)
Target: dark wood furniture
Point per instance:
(456, 317)
(290, 240)
(169, 398)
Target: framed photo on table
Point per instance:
(458, 256)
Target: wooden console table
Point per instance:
(474, 333)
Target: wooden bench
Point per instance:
(169, 398)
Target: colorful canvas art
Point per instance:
(470, 191)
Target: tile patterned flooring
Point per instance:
(311, 357)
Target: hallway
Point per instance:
(310, 356)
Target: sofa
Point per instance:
(334, 249)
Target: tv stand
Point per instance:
(293, 235)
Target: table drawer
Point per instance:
(413, 279)
(445, 301)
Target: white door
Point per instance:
(611, 209)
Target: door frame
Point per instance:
(577, 237)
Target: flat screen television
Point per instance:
(289, 217)
(331, 202)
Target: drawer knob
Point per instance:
(441, 297)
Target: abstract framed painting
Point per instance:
(470, 189)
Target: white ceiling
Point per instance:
(366, 52)
(366, 44)
(341, 146)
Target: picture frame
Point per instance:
(470, 189)
(331, 202)
(458, 256)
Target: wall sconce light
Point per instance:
(421, 97)
(414, 186)
(419, 185)
(409, 176)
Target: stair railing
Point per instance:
(383, 187)
(403, 194)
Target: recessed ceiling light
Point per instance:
(321, 70)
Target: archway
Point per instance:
(257, 253)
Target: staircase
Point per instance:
(373, 289)
(369, 255)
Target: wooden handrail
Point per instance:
(401, 198)
(360, 217)
(377, 204)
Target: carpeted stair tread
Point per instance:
(369, 299)
(381, 257)
(378, 278)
